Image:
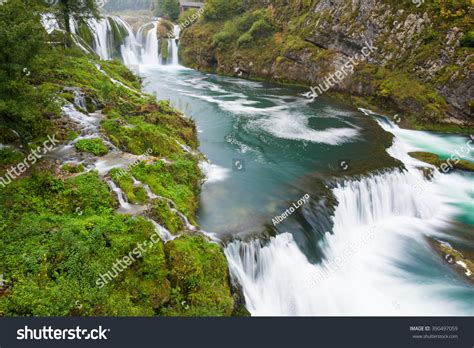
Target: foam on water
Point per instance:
(295, 127)
(213, 172)
(376, 260)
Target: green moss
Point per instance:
(72, 135)
(135, 194)
(164, 49)
(94, 146)
(178, 181)
(73, 168)
(199, 278)
(161, 213)
(468, 39)
(10, 156)
(438, 162)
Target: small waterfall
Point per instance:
(102, 38)
(79, 100)
(174, 46)
(150, 55)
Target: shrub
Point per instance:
(468, 39)
(245, 39)
(94, 146)
(260, 28)
(222, 9)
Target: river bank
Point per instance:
(103, 223)
(419, 71)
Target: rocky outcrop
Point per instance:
(419, 67)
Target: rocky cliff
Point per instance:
(421, 66)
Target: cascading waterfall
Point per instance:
(102, 38)
(376, 261)
(140, 48)
(134, 49)
(174, 46)
(150, 55)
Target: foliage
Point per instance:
(222, 9)
(22, 105)
(167, 8)
(80, 11)
(468, 39)
(135, 194)
(9, 156)
(94, 146)
(161, 213)
(199, 270)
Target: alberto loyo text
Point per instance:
(279, 218)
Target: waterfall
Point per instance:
(111, 36)
(150, 55)
(174, 46)
(101, 35)
(375, 261)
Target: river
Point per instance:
(358, 244)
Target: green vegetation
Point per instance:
(178, 181)
(468, 39)
(135, 194)
(199, 272)
(435, 160)
(59, 227)
(65, 10)
(453, 256)
(167, 8)
(59, 236)
(284, 41)
(222, 9)
(94, 146)
(9, 156)
(73, 168)
(162, 213)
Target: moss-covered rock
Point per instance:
(162, 213)
(199, 278)
(418, 69)
(94, 146)
(436, 161)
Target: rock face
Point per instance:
(419, 67)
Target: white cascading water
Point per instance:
(370, 258)
(150, 55)
(174, 46)
(101, 34)
(139, 48)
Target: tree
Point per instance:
(222, 9)
(168, 9)
(22, 38)
(79, 10)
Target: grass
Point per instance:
(59, 233)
